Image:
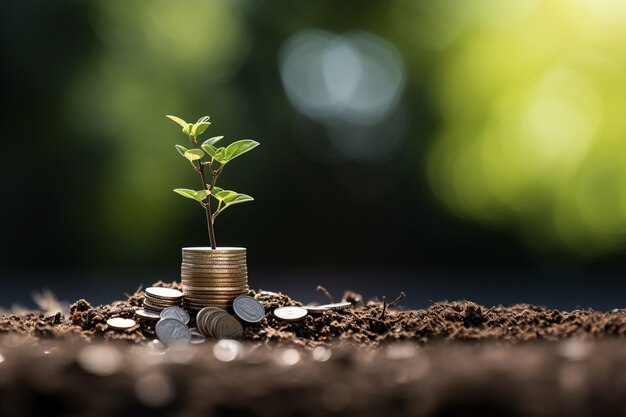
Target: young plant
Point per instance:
(198, 156)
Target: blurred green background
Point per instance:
(423, 139)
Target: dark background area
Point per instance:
(88, 160)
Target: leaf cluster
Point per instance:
(208, 156)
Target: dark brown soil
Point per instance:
(362, 326)
(450, 359)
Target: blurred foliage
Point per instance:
(511, 113)
(533, 104)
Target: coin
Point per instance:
(216, 273)
(213, 272)
(228, 327)
(337, 306)
(160, 304)
(147, 314)
(172, 332)
(316, 309)
(197, 337)
(160, 292)
(206, 317)
(205, 249)
(214, 288)
(290, 313)
(223, 290)
(175, 313)
(214, 264)
(120, 323)
(203, 260)
(248, 309)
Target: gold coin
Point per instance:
(211, 267)
(221, 291)
(216, 278)
(214, 297)
(214, 271)
(162, 301)
(214, 285)
(202, 282)
(203, 262)
(211, 301)
(205, 249)
(186, 279)
(211, 264)
(208, 254)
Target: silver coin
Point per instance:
(248, 309)
(291, 313)
(197, 337)
(172, 332)
(161, 292)
(119, 323)
(337, 306)
(147, 314)
(175, 313)
(316, 309)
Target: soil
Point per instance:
(451, 359)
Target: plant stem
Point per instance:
(207, 207)
(209, 216)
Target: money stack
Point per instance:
(158, 298)
(213, 277)
(215, 322)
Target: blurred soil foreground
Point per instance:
(450, 359)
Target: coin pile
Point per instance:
(216, 322)
(158, 298)
(213, 277)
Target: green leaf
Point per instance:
(178, 120)
(216, 190)
(203, 119)
(199, 128)
(240, 147)
(212, 141)
(187, 129)
(181, 149)
(220, 155)
(194, 154)
(201, 195)
(226, 195)
(209, 149)
(241, 198)
(186, 193)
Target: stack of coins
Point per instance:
(158, 298)
(216, 322)
(213, 277)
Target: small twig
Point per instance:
(397, 300)
(382, 315)
(391, 304)
(324, 291)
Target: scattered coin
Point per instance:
(161, 292)
(228, 327)
(175, 313)
(172, 332)
(197, 338)
(248, 309)
(159, 298)
(291, 313)
(337, 306)
(147, 314)
(316, 309)
(119, 323)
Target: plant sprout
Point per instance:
(219, 158)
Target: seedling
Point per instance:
(198, 156)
